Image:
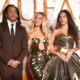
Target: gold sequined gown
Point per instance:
(56, 68)
(38, 59)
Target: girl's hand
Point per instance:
(69, 54)
(62, 56)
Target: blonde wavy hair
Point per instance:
(44, 26)
(45, 29)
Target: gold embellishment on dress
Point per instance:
(64, 50)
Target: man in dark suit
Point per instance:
(13, 44)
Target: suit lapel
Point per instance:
(6, 31)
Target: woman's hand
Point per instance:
(69, 54)
(60, 55)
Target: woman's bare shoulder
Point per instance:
(56, 32)
(28, 30)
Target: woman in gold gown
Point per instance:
(38, 33)
(64, 64)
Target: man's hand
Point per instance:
(14, 63)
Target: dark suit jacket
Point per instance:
(16, 50)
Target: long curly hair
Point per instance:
(4, 17)
(72, 28)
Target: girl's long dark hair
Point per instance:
(72, 28)
(4, 18)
